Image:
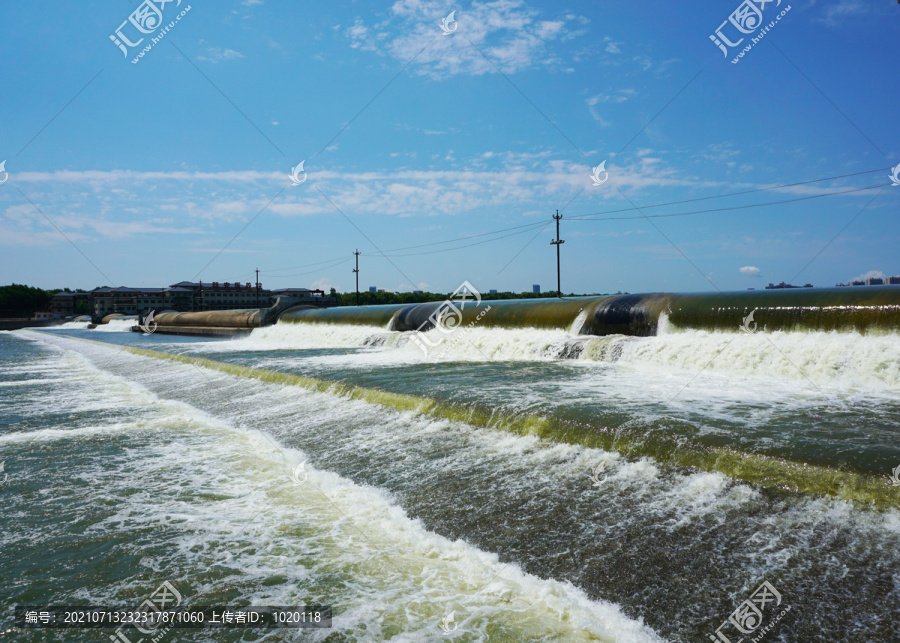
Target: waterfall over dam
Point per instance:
(871, 309)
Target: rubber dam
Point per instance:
(873, 309)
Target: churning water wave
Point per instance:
(839, 358)
(119, 481)
(484, 499)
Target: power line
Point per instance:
(558, 242)
(468, 245)
(306, 265)
(531, 226)
(356, 271)
(595, 216)
(310, 272)
(736, 207)
(527, 227)
(723, 196)
(471, 236)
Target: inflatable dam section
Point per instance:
(214, 323)
(863, 309)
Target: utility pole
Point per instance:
(558, 242)
(356, 270)
(257, 287)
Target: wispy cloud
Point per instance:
(612, 47)
(835, 13)
(217, 55)
(618, 96)
(511, 34)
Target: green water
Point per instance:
(461, 484)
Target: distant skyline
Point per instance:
(178, 167)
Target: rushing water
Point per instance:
(719, 461)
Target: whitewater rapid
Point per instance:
(200, 488)
(868, 363)
(521, 538)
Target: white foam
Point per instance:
(259, 526)
(52, 435)
(116, 326)
(71, 325)
(827, 358)
(396, 579)
(844, 360)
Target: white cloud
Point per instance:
(618, 96)
(612, 47)
(217, 55)
(92, 204)
(359, 36)
(323, 284)
(873, 274)
(837, 12)
(718, 153)
(550, 29)
(504, 35)
(750, 270)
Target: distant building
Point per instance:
(294, 292)
(874, 281)
(417, 291)
(127, 301)
(188, 296)
(493, 291)
(536, 288)
(373, 289)
(66, 304)
(772, 286)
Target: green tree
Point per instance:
(19, 300)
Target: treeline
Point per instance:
(367, 298)
(19, 300)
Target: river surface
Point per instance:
(673, 477)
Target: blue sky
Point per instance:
(148, 170)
